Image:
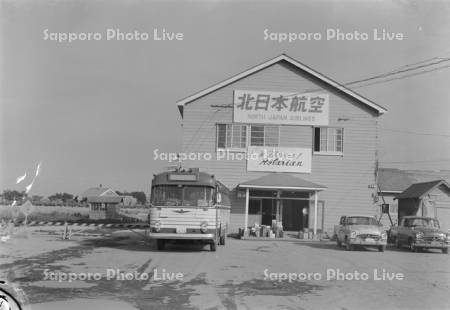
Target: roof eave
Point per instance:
(367, 102)
(282, 187)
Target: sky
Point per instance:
(92, 112)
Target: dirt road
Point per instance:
(127, 272)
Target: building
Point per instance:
(129, 201)
(104, 207)
(431, 199)
(292, 144)
(98, 191)
(393, 181)
(103, 202)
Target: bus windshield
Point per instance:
(174, 195)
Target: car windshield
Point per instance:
(361, 220)
(420, 222)
(174, 195)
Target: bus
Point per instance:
(187, 204)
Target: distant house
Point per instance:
(103, 202)
(44, 201)
(129, 201)
(98, 191)
(104, 207)
(392, 182)
(431, 199)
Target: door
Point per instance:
(268, 211)
(254, 212)
(292, 216)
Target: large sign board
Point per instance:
(279, 159)
(265, 107)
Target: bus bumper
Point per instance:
(153, 235)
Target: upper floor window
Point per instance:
(264, 135)
(231, 136)
(329, 140)
(238, 137)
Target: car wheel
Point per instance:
(381, 248)
(412, 246)
(348, 246)
(160, 244)
(445, 250)
(212, 246)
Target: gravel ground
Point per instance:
(127, 272)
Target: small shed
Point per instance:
(104, 207)
(430, 199)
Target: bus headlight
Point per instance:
(203, 227)
(157, 226)
(419, 235)
(353, 234)
(384, 235)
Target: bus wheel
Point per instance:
(160, 244)
(222, 240)
(212, 246)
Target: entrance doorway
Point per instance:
(294, 216)
(269, 211)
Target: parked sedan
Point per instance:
(364, 231)
(418, 233)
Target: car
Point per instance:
(419, 232)
(360, 230)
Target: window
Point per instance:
(174, 195)
(264, 135)
(254, 206)
(329, 140)
(231, 136)
(361, 220)
(421, 222)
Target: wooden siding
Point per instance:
(347, 177)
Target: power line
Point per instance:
(403, 77)
(398, 71)
(416, 161)
(409, 67)
(415, 133)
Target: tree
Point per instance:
(140, 196)
(13, 195)
(61, 196)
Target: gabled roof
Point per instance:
(98, 191)
(392, 180)
(418, 190)
(395, 181)
(278, 180)
(295, 63)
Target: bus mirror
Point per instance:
(219, 198)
